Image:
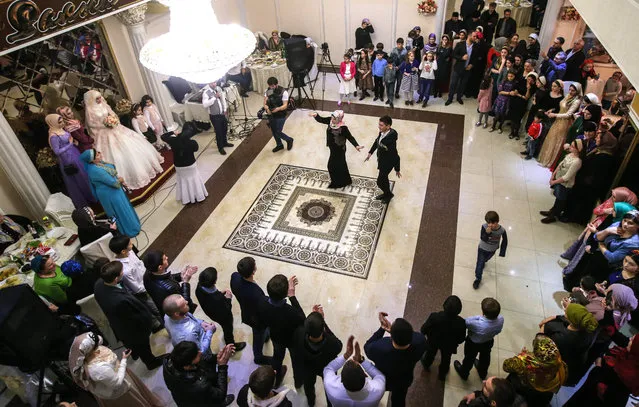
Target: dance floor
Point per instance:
(297, 220)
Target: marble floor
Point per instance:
(527, 282)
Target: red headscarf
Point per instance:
(626, 364)
(591, 73)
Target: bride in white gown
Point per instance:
(134, 157)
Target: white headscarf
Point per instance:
(594, 99)
(82, 347)
(95, 113)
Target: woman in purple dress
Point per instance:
(73, 172)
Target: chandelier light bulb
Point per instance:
(197, 48)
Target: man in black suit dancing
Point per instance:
(387, 157)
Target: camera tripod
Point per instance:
(326, 57)
(243, 126)
(298, 80)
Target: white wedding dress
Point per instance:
(135, 159)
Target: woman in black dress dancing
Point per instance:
(336, 135)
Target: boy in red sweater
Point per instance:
(534, 131)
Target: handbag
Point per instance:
(70, 169)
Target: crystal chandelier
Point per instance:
(197, 48)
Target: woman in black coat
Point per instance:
(442, 74)
(525, 87)
(593, 179)
(336, 136)
(89, 229)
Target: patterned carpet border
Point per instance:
(295, 218)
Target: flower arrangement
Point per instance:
(426, 7)
(123, 106)
(569, 14)
(46, 158)
(111, 121)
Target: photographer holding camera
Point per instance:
(275, 105)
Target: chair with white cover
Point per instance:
(97, 249)
(90, 307)
(59, 208)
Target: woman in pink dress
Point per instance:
(154, 120)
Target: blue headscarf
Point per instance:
(87, 157)
(36, 263)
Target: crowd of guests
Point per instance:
(142, 296)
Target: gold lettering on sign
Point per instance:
(26, 19)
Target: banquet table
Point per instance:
(520, 14)
(261, 72)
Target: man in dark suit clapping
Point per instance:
(216, 305)
(387, 157)
(130, 319)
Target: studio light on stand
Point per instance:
(197, 48)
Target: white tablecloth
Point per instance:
(261, 73)
(520, 14)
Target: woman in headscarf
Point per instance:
(525, 88)
(442, 74)
(587, 71)
(431, 45)
(136, 160)
(337, 134)
(613, 379)
(572, 333)
(190, 186)
(88, 229)
(539, 374)
(96, 369)
(621, 201)
(75, 128)
(73, 173)
(107, 186)
(606, 249)
(556, 136)
(593, 180)
(275, 43)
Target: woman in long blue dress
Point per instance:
(73, 173)
(107, 187)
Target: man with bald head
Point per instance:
(183, 326)
(574, 58)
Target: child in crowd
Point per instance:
(534, 131)
(154, 120)
(502, 102)
(133, 270)
(409, 69)
(490, 236)
(379, 65)
(485, 99)
(563, 179)
(140, 125)
(389, 82)
(364, 70)
(398, 55)
(347, 85)
(482, 330)
(444, 330)
(380, 50)
(427, 77)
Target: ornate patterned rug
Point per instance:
(296, 219)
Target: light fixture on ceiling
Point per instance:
(197, 48)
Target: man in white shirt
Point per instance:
(133, 280)
(241, 75)
(214, 100)
(353, 388)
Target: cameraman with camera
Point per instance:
(275, 105)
